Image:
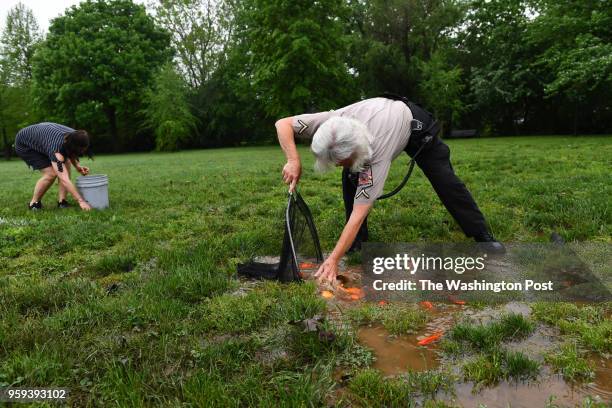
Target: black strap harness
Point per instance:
(423, 126)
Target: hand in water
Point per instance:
(327, 271)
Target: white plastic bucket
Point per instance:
(94, 190)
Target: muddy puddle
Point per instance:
(397, 354)
(523, 395)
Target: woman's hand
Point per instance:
(83, 170)
(291, 173)
(84, 205)
(328, 270)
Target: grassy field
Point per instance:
(138, 305)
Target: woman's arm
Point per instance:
(64, 178)
(286, 138)
(81, 169)
(329, 269)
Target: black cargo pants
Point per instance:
(434, 161)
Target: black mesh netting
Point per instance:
(300, 244)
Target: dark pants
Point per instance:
(434, 160)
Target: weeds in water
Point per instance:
(371, 389)
(489, 369)
(397, 318)
(570, 362)
(586, 322)
(520, 367)
(483, 337)
(428, 383)
(485, 369)
(515, 326)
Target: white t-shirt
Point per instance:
(387, 120)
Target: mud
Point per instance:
(522, 395)
(397, 354)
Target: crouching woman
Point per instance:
(52, 148)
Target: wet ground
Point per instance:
(398, 354)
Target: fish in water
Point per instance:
(430, 339)
(426, 304)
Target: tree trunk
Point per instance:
(111, 115)
(576, 118)
(5, 143)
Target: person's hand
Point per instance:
(84, 205)
(291, 173)
(83, 170)
(328, 271)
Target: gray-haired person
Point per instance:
(364, 138)
(51, 148)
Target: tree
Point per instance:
(19, 39)
(441, 88)
(391, 38)
(18, 42)
(574, 39)
(200, 32)
(167, 111)
(295, 52)
(98, 60)
(497, 60)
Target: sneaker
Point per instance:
(63, 204)
(490, 244)
(35, 206)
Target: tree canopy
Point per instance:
(97, 63)
(501, 66)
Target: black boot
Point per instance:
(490, 244)
(63, 204)
(35, 206)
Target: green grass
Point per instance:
(369, 388)
(487, 337)
(488, 361)
(492, 367)
(588, 323)
(138, 305)
(570, 362)
(397, 318)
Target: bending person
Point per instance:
(364, 138)
(52, 148)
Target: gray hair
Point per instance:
(338, 139)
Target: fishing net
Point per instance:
(300, 248)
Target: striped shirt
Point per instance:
(45, 138)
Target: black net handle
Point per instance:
(299, 201)
(311, 225)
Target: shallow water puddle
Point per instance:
(602, 385)
(396, 354)
(524, 395)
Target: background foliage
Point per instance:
(501, 66)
